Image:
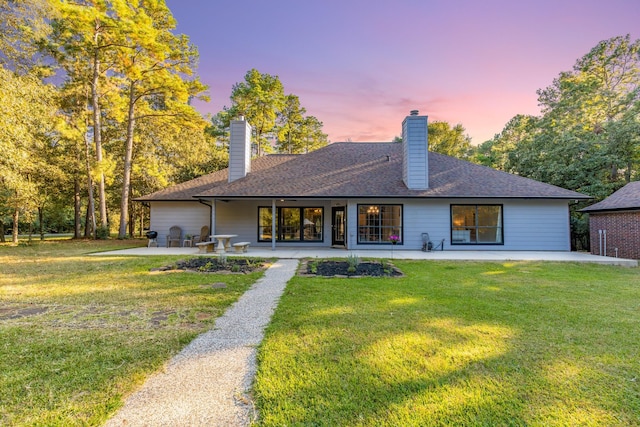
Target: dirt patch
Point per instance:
(21, 311)
(330, 268)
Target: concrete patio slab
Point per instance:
(309, 252)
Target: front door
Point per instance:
(338, 226)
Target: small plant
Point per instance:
(313, 267)
(208, 266)
(222, 259)
(353, 261)
(235, 268)
(394, 238)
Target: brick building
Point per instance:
(614, 223)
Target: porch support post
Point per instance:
(273, 224)
(212, 226)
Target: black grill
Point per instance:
(151, 234)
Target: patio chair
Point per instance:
(204, 235)
(175, 234)
(428, 245)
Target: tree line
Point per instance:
(95, 110)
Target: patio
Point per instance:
(298, 252)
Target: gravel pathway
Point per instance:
(206, 384)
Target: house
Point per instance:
(356, 195)
(614, 223)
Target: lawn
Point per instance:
(456, 343)
(78, 332)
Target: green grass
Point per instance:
(78, 331)
(456, 343)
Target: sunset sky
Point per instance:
(360, 66)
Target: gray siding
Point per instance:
(239, 150)
(190, 216)
(528, 224)
(415, 153)
(538, 225)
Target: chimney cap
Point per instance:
(414, 112)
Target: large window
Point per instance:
(377, 222)
(476, 224)
(293, 224)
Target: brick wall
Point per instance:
(623, 232)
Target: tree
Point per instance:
(298, 133)
(219, 127)
(586, 139)
(273, 116)
(23, 24)
(290, 120)
(312, 135)
(495, 152)
(259, 99)
(154, 64)
(444, 139)
(27, 117)
(85, 36)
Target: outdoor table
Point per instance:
(224, 242)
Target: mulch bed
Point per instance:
(327, 268)
(217, 265)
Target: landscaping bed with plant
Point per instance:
(219, 264)
(353, 266)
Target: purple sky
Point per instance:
(360, 66)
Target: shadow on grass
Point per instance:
(483, 344)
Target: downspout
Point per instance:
(211, 222)
(600, 242)
(148, 206)
(273, 224)
(347, 238)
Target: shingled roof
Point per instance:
(628, 197)
(352, 170)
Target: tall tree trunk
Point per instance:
(14, 235)
(87, 224)
(97, 127)
(40, 221)
(141, 209)
(128, 155)
(77, 214)
(2, 231)
(90, 227)
(132, 219)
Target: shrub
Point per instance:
(102, 232)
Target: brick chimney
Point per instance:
(415, 152)
(239, 149)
